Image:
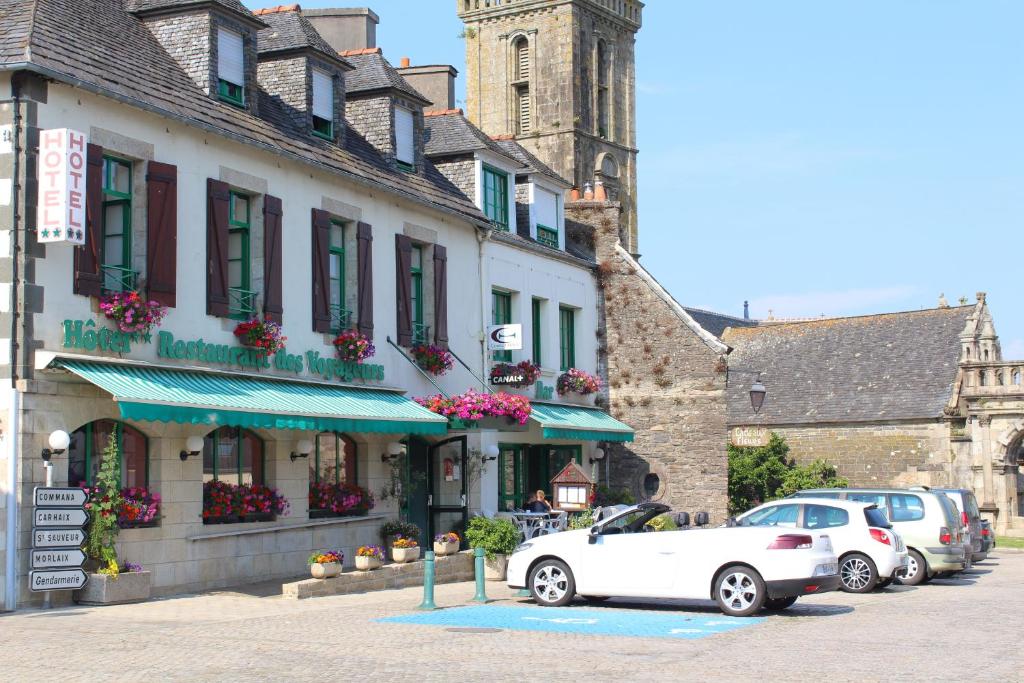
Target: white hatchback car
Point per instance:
(870, 552)
(742, 569)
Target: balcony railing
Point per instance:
(994, 378)
(420, 334)
(341, 318)
(547, 237)
(119, 279)
(241, 302)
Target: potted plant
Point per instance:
(405, 550)
(447, 543)
(522, 374)
(433, 359)
(263, 335)
(498, 538)
(395, 528)
(369, 557)
(325, 564)
(353, 347)
(132, 312)
(140, 507)
(577, 381)
(115, 585)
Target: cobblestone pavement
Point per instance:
(964, 629)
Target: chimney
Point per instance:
(345, 28)
(436, 82)
(746, 310)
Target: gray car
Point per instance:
(970, 518)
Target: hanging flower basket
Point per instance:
(520, 375)
(140, 508)
(131, 312)
(472, 406)
(263, 335)
(577, 381)
(353, 346)
(433, 359)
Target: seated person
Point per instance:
(538, 503)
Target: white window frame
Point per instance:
(534, 183)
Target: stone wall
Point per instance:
(287, 81)
(373, 118)
(661, 379)
(461, 172)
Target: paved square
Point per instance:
(598, 621)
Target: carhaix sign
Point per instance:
(60, 216)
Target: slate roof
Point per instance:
(117, 57)
(288, 30)
(449, 133)
(374, 73)
(716, 323)
(893, 366)
(16, 20)
(155, 5)
(533, 165)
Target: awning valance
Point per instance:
(576, 422)
(210, 398)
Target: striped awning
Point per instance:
(576, 422)
(195, 397)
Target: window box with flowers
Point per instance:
(577, 381)
(263, 335)
(369, 557)
(353, 347)
(328, 499)
(446, 544)
(405, 550)
(433, 359)
(509, 409)
(141, 508)
(522, 374)
(132, 313)
(225, 503)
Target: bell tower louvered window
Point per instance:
(521, 86)
(603, 100)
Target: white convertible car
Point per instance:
(744, 569)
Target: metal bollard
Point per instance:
(481, 594)
(428, 581)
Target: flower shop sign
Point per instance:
(84, 335)
(60, 215)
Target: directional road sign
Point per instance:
(50, 517)
(58, 538)
(56, 579)
(60, 497)
(57, 558)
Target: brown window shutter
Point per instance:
(440, 296)
(364, 286)
(321, 271)
(403, 285)
(218, 301)
(273, 304)
(88, 280)
(162, 232)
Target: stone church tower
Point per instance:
(559, 76)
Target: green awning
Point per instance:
(575, 422)
(211, 398)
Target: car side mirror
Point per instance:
(594, 533)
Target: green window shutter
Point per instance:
(567, 337)
(501, 304)
(537, 332)
(495, 187)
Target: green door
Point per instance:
(511, 476)
(417, 495)
(448, 490)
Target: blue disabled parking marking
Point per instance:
(603, 621)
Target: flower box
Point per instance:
(449, 548)
(403, 555)
(496, 568)
(104, 589)
(325, 570)
(365, 564)
(471, 406)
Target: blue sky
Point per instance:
(815, 157)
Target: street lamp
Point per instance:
(303, 447)
(490, 453)
(394, 450)
(59, 441)
(193, 446)
(757, 389)
(598, 455)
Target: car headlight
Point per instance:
(521, 547)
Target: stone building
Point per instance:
(895, 399)
(560, 76)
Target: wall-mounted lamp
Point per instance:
(303, 447)
(193, 446)
(598, 455)
(490, 453)
(394, 450)
(757, 393)
(59, 442)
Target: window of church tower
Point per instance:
(521, 85)
(603, 99)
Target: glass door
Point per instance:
(417, 494)
(447, 500)
(511, 477)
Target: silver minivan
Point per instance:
(970, 518)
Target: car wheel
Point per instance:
(917, 570)
(883, 583)
(777, 604)
(740, 591)
(857, 573)
(551, 584)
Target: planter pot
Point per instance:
(365, 564)
(103, 589)
(403, 555)
(496, 569)
(446, 548)
(258, 517)
(324, 570)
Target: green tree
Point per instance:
(762, 473)
(104, 503)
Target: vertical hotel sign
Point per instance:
(61, 211)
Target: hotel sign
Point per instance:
(60, 216)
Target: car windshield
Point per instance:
(875, 517)
(775, 515)
(631, 521)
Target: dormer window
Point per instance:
(323, 104)
(545, 213)
(230, 66)
(405, 139)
